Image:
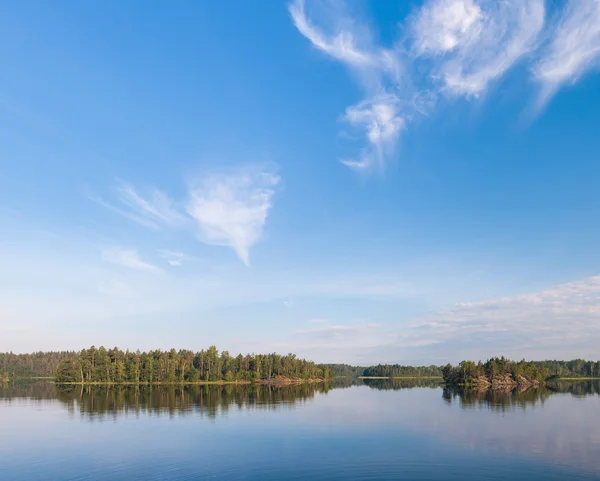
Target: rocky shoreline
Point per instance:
(505, 382)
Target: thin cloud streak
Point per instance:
(156, 206)
(341, 46)
(573, 49)
(174, 258)
(127, 258)
(129, 215)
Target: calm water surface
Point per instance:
(377, 431)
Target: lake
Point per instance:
(373, 430)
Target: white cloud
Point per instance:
(443, 25)
(461, 45)
(474, 43)
(573, 49)
(131, 216)
(565, 318)
(228, 209)
(151, 208)
(127, 258)
(231, 209)
(379, 115)
(174, 258)
(380, 119)
(341, 46)
(155, 206)
(559, 322)
(447, 49)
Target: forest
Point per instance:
(102, 365)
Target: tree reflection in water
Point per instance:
(209, 400)
(510, 400)
(97, 402)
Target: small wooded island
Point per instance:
(497, 373)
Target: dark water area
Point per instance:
(353, 429)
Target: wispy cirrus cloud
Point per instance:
(442, 26)
(221, 208)
(380, 119)
(127, 258)
(349, 41)
(447, 49)
(573, 50)
(148, 207)
(341, 45)
(231, 209)
(153, 205)
(474, 43)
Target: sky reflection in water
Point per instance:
(373, 430)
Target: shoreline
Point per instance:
(399, 377)
(265, 382)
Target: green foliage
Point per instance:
(382, 370)
(396, 370)
(69, 371)
(467, 372)
(37, 364)
(343, 370)
(113, 366)
(192, 375)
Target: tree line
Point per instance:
(396, 370)
(36, 364)
(382, 370)
(343, 370)
(129, 365)
(114, 366)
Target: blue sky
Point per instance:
(361, 182)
